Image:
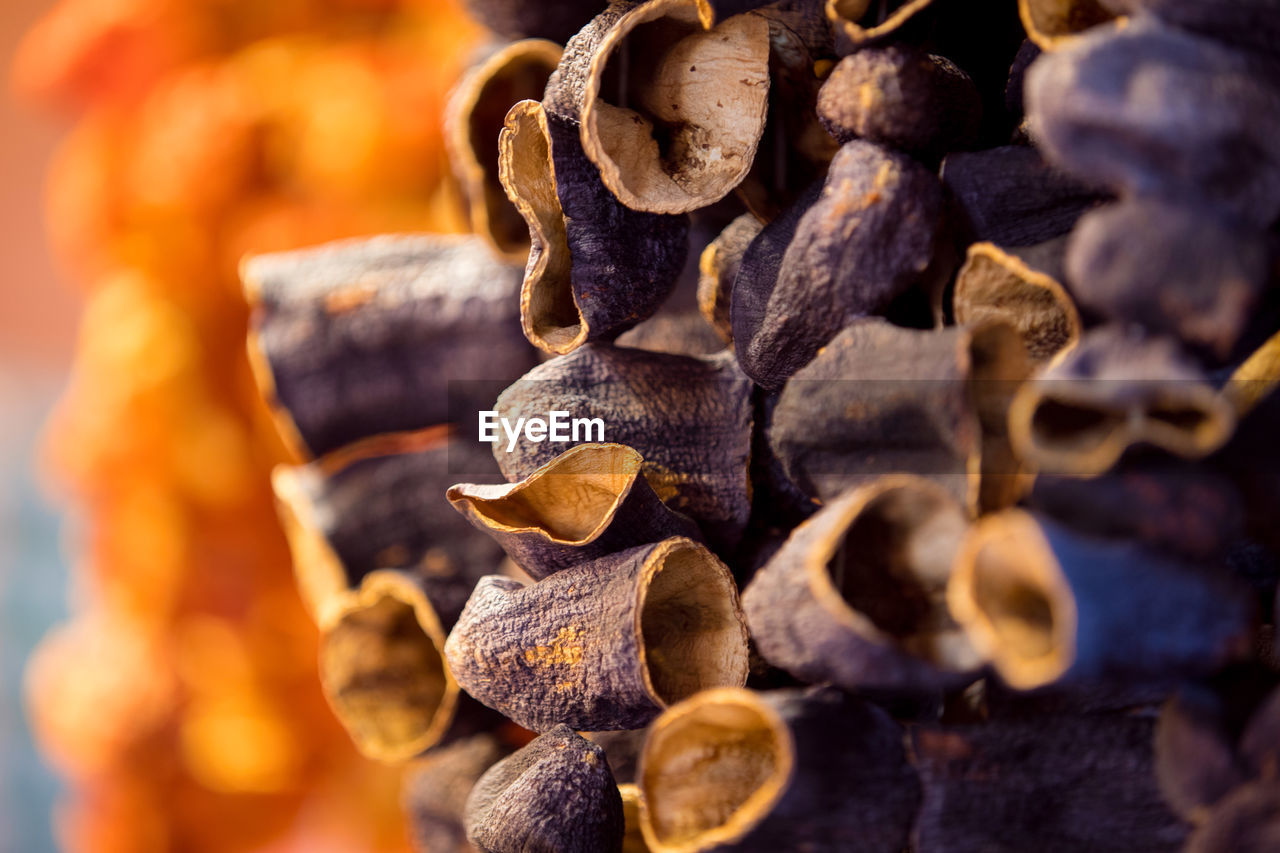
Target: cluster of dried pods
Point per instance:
(973, 401)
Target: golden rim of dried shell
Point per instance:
(730, 727)
(570, 500)
(845, 13)
(538, 57)
(1255, 378)
(1008, 592)
(383, 670)
(549, 311)
(710, 86)
(682, 587)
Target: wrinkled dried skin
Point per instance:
(1172, 269)
(1011, 197)
(435, 789)
(795, 149)
(521, 19)
(473, 122)
(1173, 505)
(588, 502)
(382, 669)
(867, 239)
(881, 399)
(1041, 603)
(1111, 109)
(861, 21)
(1052, 23)
(857, 596)
(903, 98)
(1253, 24)
(363, 337)
(670, 112)
(603, 645)
(1060, 783)
(786, 770)
(998, 286)
(1112, 391)
(717, 269)
(690, 418)
(379, 505)
(1247, 821)
(1195, 764)
(556, 793)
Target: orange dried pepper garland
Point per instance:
(182, 701)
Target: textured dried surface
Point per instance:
(1152, 111)
(1041, 601)
(1114, 390)
(690, 418)
(435, 790)
(995, 285)
(588, 502)
(857, 595)
(881, 399)
(362, 337)
(474, 120)
(1056, 784)
(901, 97)
(382, 667)
(603, 645)
(868, 237)
(555, 794)
(1171, 268)
(718, 268)
(812, 770)
(596, 268)
(670, 113)
(1011, 197)
(380, 505)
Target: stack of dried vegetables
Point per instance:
(970, 399)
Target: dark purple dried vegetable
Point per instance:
(435, 789)
(1251, 24)
(555, 794)
(596, 268)
(869, 237)
(901, 97)
(812, 770)
(857, 596)
(690, 418)
(602, 645)
(1151, 111)
(1042, 602)
(378, 504)
(1246, 821)
(363, 337)
(718, 268)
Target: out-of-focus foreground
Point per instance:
(181, 702)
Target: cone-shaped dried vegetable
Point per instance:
(689, 418)
(602, 645)
(1045, 605)
(812, 770)
(1116, 389)
(362, 337)
(383, 670)
(668, 111)
(555, 794)
(435, 790)
(857, 596)
(378, 504)
(474, 120)
(590, 501)
(868, 238)
(596, 268)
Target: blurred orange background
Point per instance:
(179, 701)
